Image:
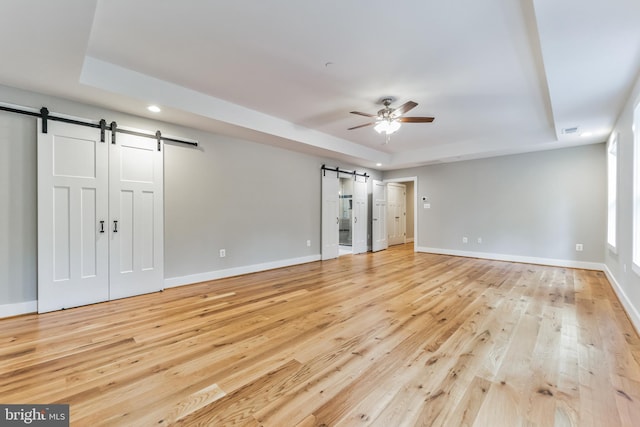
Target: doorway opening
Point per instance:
(345, 216)
(402, 213)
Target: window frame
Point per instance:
(612, 192)
(635, 208)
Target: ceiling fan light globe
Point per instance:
(383, 126)
(387, 126)
(393, 126)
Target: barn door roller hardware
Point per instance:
(338, 171)
(102, 125)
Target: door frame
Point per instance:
(413, 179)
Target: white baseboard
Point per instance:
(632, 312)
(16, 309)
(236, 271)
(516, 258)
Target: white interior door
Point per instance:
(396, 213)
(360, 217)
(379, 220)
(136, 216)
(72, 217)
(330, 215)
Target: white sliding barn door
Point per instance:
(360, 217)
(330, 215)
(136, 216)
(100, 216)
(72, 217)
(396, 213)
(379, 220)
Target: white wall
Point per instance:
(618, 263)
(529, 207)
(259, 202)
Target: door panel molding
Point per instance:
(72, 200)
(360, 217)
(330, 216)
(379, 240)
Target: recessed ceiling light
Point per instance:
(154, 108)
(378, 164)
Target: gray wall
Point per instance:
(258, 202)
(532, 205)
(18, 232)
(619, 262)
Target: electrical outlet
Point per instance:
(479, 239)
(579, 247)
(223, 253)
(308, 243)
(465, 240)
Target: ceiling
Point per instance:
(499, 76)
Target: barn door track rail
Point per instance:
(339, 171)
(102, 125)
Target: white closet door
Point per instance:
(396, 215)
(136, 216)
(330, 215)
(72, 217)
(379, 223)
(360, 217)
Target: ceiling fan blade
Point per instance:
(361, 126)
(363, 114)
(409, 105)
(415, 119)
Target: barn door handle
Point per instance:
(115, 226)
(102, 226)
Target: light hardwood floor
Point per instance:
(387, 339)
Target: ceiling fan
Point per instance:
(388, 119)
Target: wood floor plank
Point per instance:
(389, 338)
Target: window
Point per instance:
(612, 189)
(636, 189)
